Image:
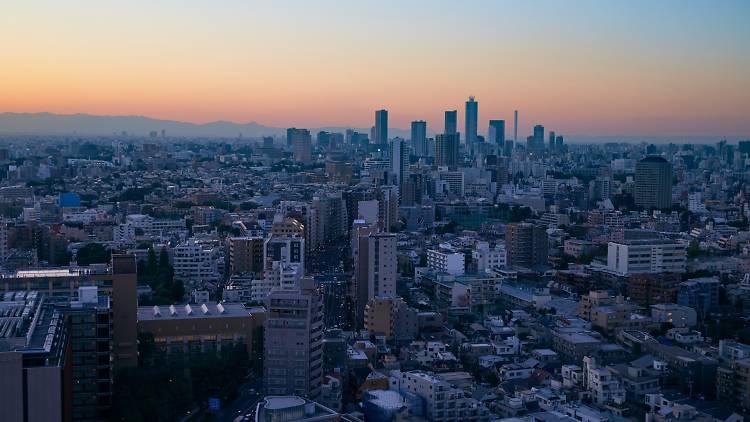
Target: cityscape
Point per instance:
(176, 246)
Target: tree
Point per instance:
(151, 261)
(93, 253)
(177, 290)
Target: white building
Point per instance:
(646, 256)
(446, 259)
(238, 289)
(488, 258)
(196, 262)
(604, 387)
(123, 235)
(677, 315)
(153, 227)
(442, 402)
(278, 274)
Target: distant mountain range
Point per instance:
(87, 124)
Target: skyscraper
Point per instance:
(293, 340)
(551, 140)
(539, 137)
(381, 127)
(300, 140)
(446, 150)
(451, 119)
(515, 126)
(419, 138)
(399, 160)
(470, 131)
(653, 183)
(496, 133)
(375, 269)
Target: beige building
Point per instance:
(391, 317)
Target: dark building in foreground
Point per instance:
(653, 183)
(526, 244)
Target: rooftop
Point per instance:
(193, 311)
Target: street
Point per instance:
(248, 396)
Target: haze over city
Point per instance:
(590, 68)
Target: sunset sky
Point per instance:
(579, 67)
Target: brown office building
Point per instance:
(526, 244)
(182, 330)
(246, 255)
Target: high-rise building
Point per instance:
(375, 269)
(419, 138)
(293, 361)
(559, 142)
(326, 220)
(538, 143)
(551, 140)
(526, 244)
(451, 122)
(399, 160)
(300, 140)
(119, 282)
(470, 131)
(446, 150)
(496, 133)
(515, 126)
(246, 255)
(653, 183)
(381, 127)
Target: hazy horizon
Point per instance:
(104, 125)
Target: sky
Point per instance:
(587, 67)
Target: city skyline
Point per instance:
(600, 69)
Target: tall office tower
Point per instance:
(559, 142)
(246, 255)
(446, 150)
(293, 363)
(326, 221)
(124, 309)
(323, 139)
(91, 338)
(289, 135)
(509, 148)
(419, 138)
(470, 131)
(538, 138)
(496, 133)
(375, 269)
(515, 126)
(289, 250)
(551, 140)
(380, 136)
(301, 144)
(526, 244)
(653, 183)
(399, 160)
(451, 122)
